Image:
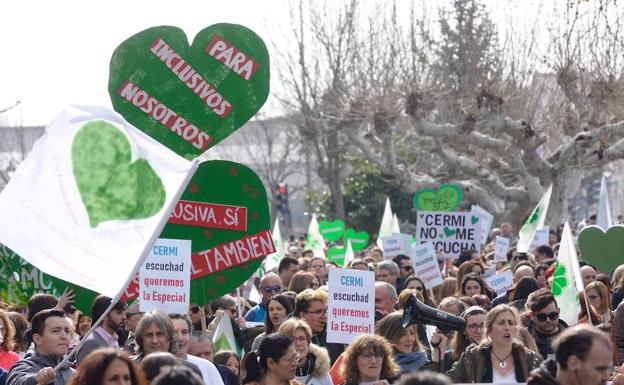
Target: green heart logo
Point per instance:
(359, 240)
(449, 232)
(228, 227)
(474, 219)
(332, 231)
(111, 186)
(603, 250)
(447, 198)
(190, 98)
(336, 254)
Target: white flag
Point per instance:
(223, 338)
(315, 241)
(349, 255)
(534, 221)
(567, 280)
(395, 225)
(604, 218)
(272, 261)
(385, 229)
(91, 198)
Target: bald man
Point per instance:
(588, 274)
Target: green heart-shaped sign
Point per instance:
(111, 185)
(228, 226)
(332, 231)
(603, 250)
(447, 198)
(336, 254)
(359, 240)
(190, 98)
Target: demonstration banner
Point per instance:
(540, 238)
(396, 244)
(485, 221)
(165, 277)
(351, 306)
(449, 232)
(425, 263)
(447, 198)
(500, 249)
(500, 282)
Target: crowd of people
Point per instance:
(514, 337)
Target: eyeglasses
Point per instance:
(475, 327)
(301, 339)
(318, 312)
(272, 289)
(370, 355)
(541, 317)
(292, 360)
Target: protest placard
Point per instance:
(426, 266)
(396, 244)
(500, 251)
(500, 282)
(485, 221)
(165, 277)
(450, 232)
(351, 307)
(539, 238)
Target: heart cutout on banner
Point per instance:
(332, 231)
(359, 240)
(228, 227)
(190, 98)
(447, 198)
(111, 185)
(603, 250)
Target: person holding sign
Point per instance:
(368, 360)
(313, 360)
(408, 352)
(499, 358)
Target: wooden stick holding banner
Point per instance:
(202, 312)
(146, 251)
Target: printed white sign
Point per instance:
(351, 307)
(500, 282)
(396, 244)
(485, 221)
(450, 232)
(165, 277)
(500, 252)
(540, 237)
(426, 266)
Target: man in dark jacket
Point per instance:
(51, 334)
(545, 324)
(584, 356)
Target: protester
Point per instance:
(51, 335)
(21, 325)
(473, 284)
(598, 296)
(82, 324)
(105, 335)
(108, 366)
(385, 299)
(133, 316)
(521, 292)
(201, 345)
(154, 333)
(275, 362)
(228, 359)
(407, 350)
(388, 271)
(313, 365)
(182, 329)
(583, 356)
(279, 309)
(156, 363)
(545, 323)
(499, 358)
(304, 280)
(415, 282)
(473, 332)
(424, 378)
(318, 267)
(270, 286)
(7, 333)
(406, 268)
(287, 268)
(588, 273)
(617, 284)
(368, 359)
(178, 375)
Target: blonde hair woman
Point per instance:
(499, 358)
(313, 366)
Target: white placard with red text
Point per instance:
(500, 250)
(426, 266)
(165, 277)
(396, 244)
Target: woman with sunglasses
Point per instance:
(274, 363)
(279, 309)
(500, 358)
(313, 363)
(407, 350)
(368, 360)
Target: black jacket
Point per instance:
(543, 341)
(544, 375)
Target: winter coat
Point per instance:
(544, 342)
(25, 370)
(315, 370)
(545, 374)
(475, 364)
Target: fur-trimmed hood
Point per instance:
(321, 363)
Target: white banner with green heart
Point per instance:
(89, 197)
(450, 232)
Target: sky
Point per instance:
(56, 53)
